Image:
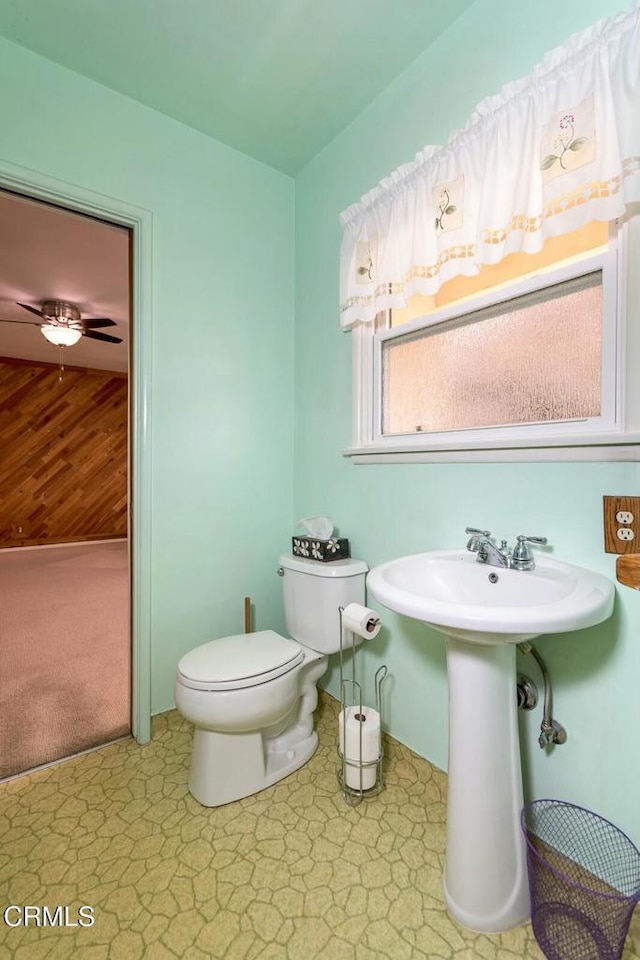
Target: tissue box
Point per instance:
(333, 549)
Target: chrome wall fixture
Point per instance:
(527, 692)
(550, 730)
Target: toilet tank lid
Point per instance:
(243, 656)
(318, 568)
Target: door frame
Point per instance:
(39, 186)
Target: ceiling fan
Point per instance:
(61, 323)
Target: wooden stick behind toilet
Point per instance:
(247, 615)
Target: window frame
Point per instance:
(607, 437)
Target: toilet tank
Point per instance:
(314, 592)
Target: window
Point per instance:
(526, 355)
(535, 358)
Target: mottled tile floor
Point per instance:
(290, 873)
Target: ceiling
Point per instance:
(276, 79)
(52, 254)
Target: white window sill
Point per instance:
(614, 447)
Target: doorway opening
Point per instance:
(65, 482)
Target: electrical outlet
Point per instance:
(621, 524)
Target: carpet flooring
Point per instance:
(64, 651)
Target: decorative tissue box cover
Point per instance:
(333, 549)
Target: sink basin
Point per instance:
(484, 612)
(477, 603)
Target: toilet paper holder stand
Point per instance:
(354, 795)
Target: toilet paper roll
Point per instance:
(361, 621)
(353, 722)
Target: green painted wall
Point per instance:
(390, 510)
(222, 340)
(226, 465)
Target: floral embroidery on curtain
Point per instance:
(547, 155)
(568, 141)
(448, 199)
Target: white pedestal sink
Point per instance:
(484, 612)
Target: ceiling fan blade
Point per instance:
(25, 306)
(98, 322)
(101, 336)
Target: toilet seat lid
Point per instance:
(242, 660)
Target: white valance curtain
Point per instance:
(545, 156)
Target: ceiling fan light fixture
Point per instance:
(62, 336)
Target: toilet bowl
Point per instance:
(251, 696)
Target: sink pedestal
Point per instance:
(485, 878)
(484, 613)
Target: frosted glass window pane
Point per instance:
(534, 359)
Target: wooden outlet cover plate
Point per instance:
(621, 535)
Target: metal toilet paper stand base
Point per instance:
(355, 795)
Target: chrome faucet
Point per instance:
(520, 558)
(482, 544)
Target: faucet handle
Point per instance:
(522, 540)
(521, 557)
(476, 538)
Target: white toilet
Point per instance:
(251, 696)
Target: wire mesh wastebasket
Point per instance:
(584, 877)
